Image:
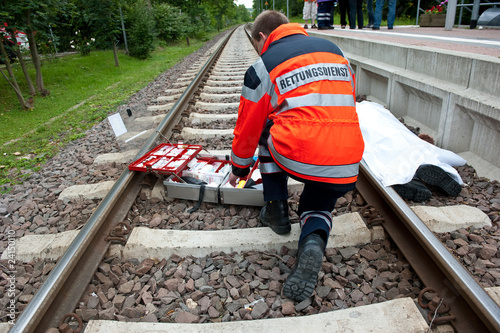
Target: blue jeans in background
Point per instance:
(391, 15)
(371, 13)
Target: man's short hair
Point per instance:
(266, 22)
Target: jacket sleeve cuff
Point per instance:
(240, 172)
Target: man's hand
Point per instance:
(232, 179)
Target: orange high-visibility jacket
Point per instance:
(304, 85)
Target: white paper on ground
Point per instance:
(393, 153)
(117, 124)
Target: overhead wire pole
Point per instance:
(451, 10)
(475, 14)
(123, 29)
(418, 12)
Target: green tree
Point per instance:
(142, 31)
(242, 14)
(100, 20)
(29, 16)
(222, 12)
(11, 79)
(170, 22)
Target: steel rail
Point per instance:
(63, 288)
(472, 308)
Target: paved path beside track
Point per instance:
(476, 41)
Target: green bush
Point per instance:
(170, 22)
(142, 33)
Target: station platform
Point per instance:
(484, 41)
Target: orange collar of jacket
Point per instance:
(283, 30)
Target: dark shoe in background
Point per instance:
(314, 26)
(275, 216)
(414, 191)
(301, 282)
(434, 175)
(305, 26)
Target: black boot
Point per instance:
(275, 216)
(413, 190)
(302, 280)
(434, 175)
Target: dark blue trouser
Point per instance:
(355, 11)
(317, 200)
(325, 14)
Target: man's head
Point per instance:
(264, 24)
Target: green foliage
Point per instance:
(79, 100)
(242, 14)
(142, 34)
(170, 22)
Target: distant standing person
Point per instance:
(325, 14)
(371, 14)
(309, 13)
(391, 15)
(344, 12)
(356, 9)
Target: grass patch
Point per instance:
(83, 91)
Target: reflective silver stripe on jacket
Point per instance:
(269, 167)
(263, 151)
(255, 95)
(306, 215)
(241, 161)
(324, 171)
(317, 100)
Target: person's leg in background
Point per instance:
(344, 12)
(391, 15)
(371, 13)
(325, 19)
(333, 5)
(359, 12)
(314, 13)
(322, 23)
(379, 5)
(352, 14)
(306, 13)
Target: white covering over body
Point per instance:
(393, 153)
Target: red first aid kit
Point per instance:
(166, 159)
(182, 162)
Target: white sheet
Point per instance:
(393, 152)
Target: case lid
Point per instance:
(166, 158)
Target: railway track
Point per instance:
(212, 96)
